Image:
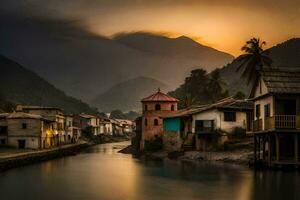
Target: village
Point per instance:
(265, 125)
(35, 128)
(261, 130)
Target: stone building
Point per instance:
(86, 121)
(26, 131)
(50, 113)
(154, 107)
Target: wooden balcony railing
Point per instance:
(257, 125)
(285, 121)
(282, 122)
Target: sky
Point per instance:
(222, 24)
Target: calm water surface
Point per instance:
(102, 173)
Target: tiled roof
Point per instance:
(159, 96)
(87, 116)
(26, 107)
(227, 103)
(20, 115)
(282, 80)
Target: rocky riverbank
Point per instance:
(241, 157)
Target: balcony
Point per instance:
(277, 122)
(257, 125)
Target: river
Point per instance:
(101, 173)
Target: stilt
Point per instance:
(255, 158)
(277, 147)
(269, 150)
(258, 147)
(264, 148)
(296, 147)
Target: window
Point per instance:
(229, 116)
(257, 111)
(267, 110)
(172, 107)
(24, 126)
(155, 122)
(157, 107)
(146, 122)
(145, 107)
(204, 126)
(3, 130)
(2, 141)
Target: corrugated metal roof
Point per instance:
(159, 96)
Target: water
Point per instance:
(102, 173)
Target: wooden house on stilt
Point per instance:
(276, 125)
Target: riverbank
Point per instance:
(13, 158)
(241, 157)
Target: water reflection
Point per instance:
(102, 173)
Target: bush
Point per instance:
(155, 144)
(239, 132)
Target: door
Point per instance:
(21, 144)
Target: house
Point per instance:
(26, 131)
(86, 121)
(196, 126)
(276, 125)
(106, 127)
(127, 125)
(72, 133)
(50, 113)
(117, 128)
(154, 107)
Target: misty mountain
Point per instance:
(286, 54)
(127, 95)
(85, 65)
(181, 47)
(21, 86)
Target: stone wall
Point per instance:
(35, 157)
(172, 141)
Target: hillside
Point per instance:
(85, 65)
(181, 47)
(126, 96)
(286, 54)
(21, 86)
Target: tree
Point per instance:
(216, 86)
(117, 114)
(239, 95)
(254, 59)
(193, 90)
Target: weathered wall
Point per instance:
(165, 106)
(30, 142)
(172, 141)
(172, 124)
(262, 102)
(218, 118)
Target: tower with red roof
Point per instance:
(155, 107)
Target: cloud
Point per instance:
(224, 24)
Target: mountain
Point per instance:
(21, 86)
(181, 47)
(286, 54)
(84, 64)
(127, 95)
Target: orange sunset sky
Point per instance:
(222, 24)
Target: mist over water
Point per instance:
(102, 173)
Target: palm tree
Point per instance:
(216, 86)
(254, 59)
